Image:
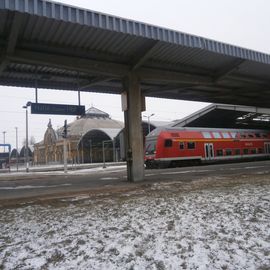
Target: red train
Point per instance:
(170, 147)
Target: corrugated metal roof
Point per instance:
(233, 116)
(64, 47)
(81, 17)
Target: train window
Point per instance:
(260, 150)
(191, 145)
(237, 151)
(243, 135)
(245, 151)
(168, 143)
(228, 152)
(233, 134)
(182, 145)
(206, 135)
(150, 148)
(219, 152)
(250, 135)
(216, 135)
(258, 135)
(253, 151)
(226, 135)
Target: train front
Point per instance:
(152, 149)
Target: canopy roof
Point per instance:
(227, 116)
(50, 45)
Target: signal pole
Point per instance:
(65, 146)
(17, 165)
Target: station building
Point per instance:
(85, 137)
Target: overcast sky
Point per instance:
(245, 23)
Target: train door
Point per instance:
(267, 148)
(209, 151)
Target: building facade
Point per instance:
(88, 137)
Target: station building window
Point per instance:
(260, 150)
(237, 151)
(234, 135)
(228, 152)
(168, 143)
(191, 145)
(245, 151)
(253, 151)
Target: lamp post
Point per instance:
(17, 165)
(26, 141)
(82, 149)
(90, 151)
(4, 135)
(103, 152)
(148, 121)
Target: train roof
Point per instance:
(157, 131)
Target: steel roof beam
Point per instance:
(158, 75)
(70, 63)
(3, 64)
(167, 88)
(94, 82)
(219, 75)
(249, 80)
(11, 41)
(14, 33)
(144, 55)
(103, 68)
(74, 52)
(57, 85)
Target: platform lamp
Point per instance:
(26, 140)
(148, 121)
(4, 135)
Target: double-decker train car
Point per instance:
(171, 147)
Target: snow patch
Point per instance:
(160, 228)
(32, 187)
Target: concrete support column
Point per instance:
(132, 106)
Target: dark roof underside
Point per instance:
(227, 116)
(49, 45)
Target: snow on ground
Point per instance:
(78, 171)
(160, 227)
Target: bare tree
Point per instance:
(32, 140)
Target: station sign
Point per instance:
(6, 145)
(60, 109)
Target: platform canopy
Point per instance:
(227, 116)
(46, 44)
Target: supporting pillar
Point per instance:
(132, 106)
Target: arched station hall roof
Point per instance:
(46, 44)
(227, 116)
(94, 119)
